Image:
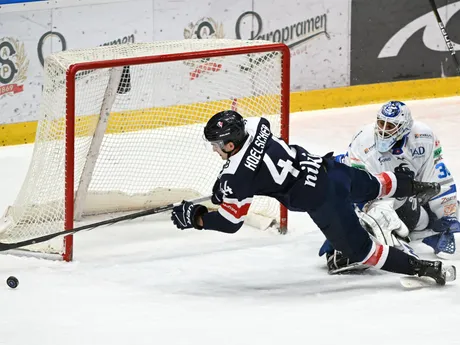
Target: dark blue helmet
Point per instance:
(224, 127)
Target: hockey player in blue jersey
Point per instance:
(258, 163)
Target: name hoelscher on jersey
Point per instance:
(265, 165)
(420, 151)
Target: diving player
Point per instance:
(259, 163)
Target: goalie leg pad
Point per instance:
(444, 241)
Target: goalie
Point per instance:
(395, 141)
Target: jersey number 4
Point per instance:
(311, 163)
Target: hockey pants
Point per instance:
(336, 216)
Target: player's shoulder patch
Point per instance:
(422, 131)
(227, 185)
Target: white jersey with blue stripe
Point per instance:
(420, 151)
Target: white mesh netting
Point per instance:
(138, 130)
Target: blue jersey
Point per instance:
(266, 165)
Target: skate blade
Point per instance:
(354, 268)
(413, 282)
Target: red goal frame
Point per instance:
(70, 111)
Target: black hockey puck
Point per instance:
(12, 282)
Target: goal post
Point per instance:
(120, 129)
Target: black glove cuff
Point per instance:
(404, 185)
(199, 211)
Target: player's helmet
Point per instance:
(394, 121)
(224, 127)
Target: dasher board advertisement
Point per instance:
(317, 32)
(394, 40)
(28, 37)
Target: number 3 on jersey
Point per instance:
(443, 171)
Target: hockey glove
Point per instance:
(403, 169)
(185, 215)
(217, 195)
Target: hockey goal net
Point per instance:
(121, 127)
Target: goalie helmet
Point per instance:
(224, 127)
(394, 121)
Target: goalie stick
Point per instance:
(449, 43)
(155, 210)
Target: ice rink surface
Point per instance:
(145, 282)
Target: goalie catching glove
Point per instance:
(185, 215)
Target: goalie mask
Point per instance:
(224, 127)
(394, 121)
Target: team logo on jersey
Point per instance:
(450, 210)
(384, 159)
(423, 135)
(417, 152)
(437, 160)
(448, 199)
(437, 153)
(369, 149)
(225, 189)
(220, 124)
(312, 164)
(13, 66)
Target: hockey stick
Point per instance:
(8, 246)
(449, 44)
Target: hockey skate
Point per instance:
(435, 271)
(337, 263)
(424, 191)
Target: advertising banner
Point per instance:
(316, 31)
(393, 40)
(26, 38)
